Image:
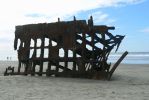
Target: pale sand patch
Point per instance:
(129, 82)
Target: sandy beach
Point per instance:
(129, 82)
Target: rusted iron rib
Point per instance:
(116, 64)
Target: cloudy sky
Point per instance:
(130, 17)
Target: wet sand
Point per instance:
(129, 82)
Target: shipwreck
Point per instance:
(76, 48)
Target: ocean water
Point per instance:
(131, 58)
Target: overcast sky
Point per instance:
(130, 17)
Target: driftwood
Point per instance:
(85, 45)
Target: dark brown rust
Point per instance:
(89, 44)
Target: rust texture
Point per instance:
(73, 49)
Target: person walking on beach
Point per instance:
(7, 58)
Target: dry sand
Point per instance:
(129, 82)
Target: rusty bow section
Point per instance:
(68, 48)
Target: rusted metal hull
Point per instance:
(83, 44)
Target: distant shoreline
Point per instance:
(5, 61)
(130, 52)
